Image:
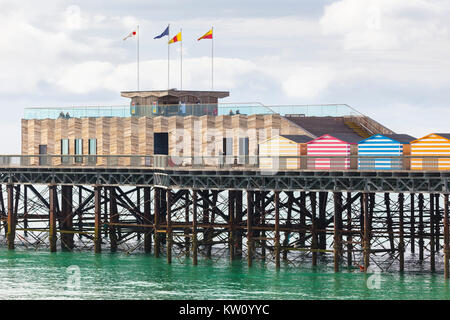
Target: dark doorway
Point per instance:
(161, 143)
(42, 150)
(228, 146)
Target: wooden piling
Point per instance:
(194, 228)
(432, 253)
(412, 226)
(113, 218)
(52, 217)
(349, 229)
(147, 220)
(337, 228)
(401, 243)
(314, 239)
(187, 238)
(446, 238)
(231, 232)
(97, 221)
(277, 229)
(156, 210)
(421, 227)
(67, 242)
(169, 225)
(11, 219)
(366, 240)
(249, 227)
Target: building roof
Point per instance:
(298, 138)
(175, 93)
(346, 137)
(444, 135)
(402, 138)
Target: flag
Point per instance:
(165, 33)
(130, 35)
(176, 38)
(207, 35)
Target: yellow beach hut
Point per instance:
(434, 146)
(276, 152)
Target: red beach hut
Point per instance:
(332, 145)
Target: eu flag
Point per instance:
(165, 33)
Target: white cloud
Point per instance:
(307, 82)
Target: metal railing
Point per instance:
(250, 108)
(270, 163)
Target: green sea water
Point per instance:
(29, 274)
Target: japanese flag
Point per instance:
(130, 35)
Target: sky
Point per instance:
(387, 59)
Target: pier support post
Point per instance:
(11, 229)
(277, 229)
(303, 211)
(349, 230)
(446, 238)
(97, 221)
(387, 204)
(322, 221)
(437, 219)
(52, 217)
(366, 241)
(113, 218)
(186, 218)
(412, 225)
(337, 228)
(169, 225)
(156, 210)
(238, 221)
(250, 197)
(432, 253)
(194, 227)
(232, 233)
(287, 233)
(25, 210)
(67, 218)
(421, 230)
(263, 223)
(147, 220)
(314, 247)
(401, 243)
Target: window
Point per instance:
(92, 146)
(92, 150)
(243, 150)
(78, 150)
(64, 150)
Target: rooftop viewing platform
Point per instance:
(184, 109)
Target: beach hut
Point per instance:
(332, 145)
(274, 152)
(433, 146)
(380, 145)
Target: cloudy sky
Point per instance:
(388, 59)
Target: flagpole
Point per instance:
(168, 63)
(181, 56)
(138, 58)
(212, 59)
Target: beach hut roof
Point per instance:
(298, 138)
(402, 138)
(344, 137)
(443, 135)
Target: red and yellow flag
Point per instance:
(176, 38)
(207, 35)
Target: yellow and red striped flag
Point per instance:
(176, 38)
(207, 35)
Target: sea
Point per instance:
(29, 274)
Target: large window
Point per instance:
(243, 150)
(65, 150)
(92, 146)
(78, 150)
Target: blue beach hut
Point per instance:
(390, 145)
